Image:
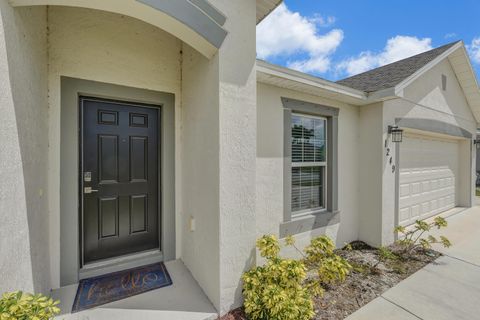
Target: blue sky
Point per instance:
(334, 39)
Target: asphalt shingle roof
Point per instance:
(390, 75)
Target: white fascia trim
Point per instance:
(473, 80)
(300, 77)
(472, 72)
(402, 85)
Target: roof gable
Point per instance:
(392, 74)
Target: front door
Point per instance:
(119, 174)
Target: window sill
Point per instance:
(309, 222)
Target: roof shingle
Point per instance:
(390, 75)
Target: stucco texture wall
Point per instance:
(23, 155)
(424, 98)
(215, 131)
(269, 177)
(237, 132)
(200, 173)
(370, 171)
(105, 47)
(218, 157)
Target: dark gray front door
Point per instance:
(119, 178)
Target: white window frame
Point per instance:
(322, 164)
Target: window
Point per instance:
(309, 162)
(310, 168)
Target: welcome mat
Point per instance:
(93, 292)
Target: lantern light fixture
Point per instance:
(396, 133)
(476, 142)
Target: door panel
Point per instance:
(121, 153)
(428, 177)
(108, 158)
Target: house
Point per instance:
(146, 130)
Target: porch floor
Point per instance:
(184, 300)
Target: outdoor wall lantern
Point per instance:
(476, 142)
(396, 133)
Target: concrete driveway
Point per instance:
(447, 289)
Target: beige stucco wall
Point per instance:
(23, 158)
(215, 131)
(218, 157)
(229, 133)
(200, 174)
(370, 172)
(425, 98)
(237, 132)
(136, 9)
(111, 48)
(270, 145)
(422, 99)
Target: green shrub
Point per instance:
(278, 290)
(385, 254)
(330, 267)
(24, 306)
(413, 239)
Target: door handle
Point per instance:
(89, 190)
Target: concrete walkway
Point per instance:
(447, 289)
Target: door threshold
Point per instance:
(120, 263)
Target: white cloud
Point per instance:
(397, 48)
(474, 50)
(323, 21)
(286, 33)
(450, 35)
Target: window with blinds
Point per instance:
(309, 161)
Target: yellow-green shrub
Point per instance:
(24, 306)
(412, 238)
(320, 255)
(278, 290)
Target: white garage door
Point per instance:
(428, 176)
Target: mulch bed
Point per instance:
(368, 280)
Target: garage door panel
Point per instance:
(410, 214)
(425, 174)
(405, 214)
(412, 193)
(428, 174)
(414, 198)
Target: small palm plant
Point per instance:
(414, 238)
